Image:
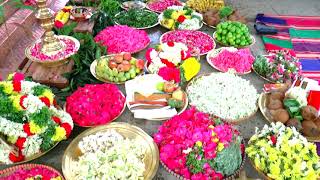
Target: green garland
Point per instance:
(42, 117)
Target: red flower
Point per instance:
(58, 24)
(56, 119)
(55, 102)
(16, 86)
(67, 128)
(26, 129)
(181, 18)
(169, 74)
(45, 100)
(273, 139)
(168, 63)
(21, 101)
(20, 141)
(170, 43)
(15, 158)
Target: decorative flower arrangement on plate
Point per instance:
(280, 152)
(117, 68)
(119, 39)
(172, 62)
(204, 5)
(30, 172)
(278, 67)
(225, 95)
(151, 97)
(194, 146)
(62, 17)
(297, 106)
(109, 155)
(137, 18)
(180, 17)
(233, 34)
(95, 104)
(133, 5)
(160, 5)
(198, 43)
(29, 119)
(226, 58)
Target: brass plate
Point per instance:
(266, 114)
(215, 52)
(121, 112)
(151, 159)
(93, 72)
(8, 171)
(231, 121)
(252, 38)
(262, 174)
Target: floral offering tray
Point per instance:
(266, 114)
(151, 154)
(45, 170)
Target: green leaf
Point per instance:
(291, 103)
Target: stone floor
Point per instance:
(249, 8)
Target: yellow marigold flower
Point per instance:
(199, 143)
(191, 67)
(220, 146)
(56, 178)
(34, 128)
(7, 86)
(287, 173)
(274, 169)
(273, 157)
(299, 146)
(47, 93)
(59, 135)
(213, 133)
(175, 15)
(30, 178)
(262, 164)
(215, 140)
(16, 101)
(211, 127)
(10, 76)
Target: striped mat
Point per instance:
(299, 33)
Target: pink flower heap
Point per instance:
(196, 147)
(123, 39)
(240, 60)
(95, 104)
(34, 173)
(161, 5)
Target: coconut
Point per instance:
(294, 123)
(309, 128)
(275, 104)
(309, 113)
(281, 115)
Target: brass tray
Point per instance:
(262, 174)
(252, 38)
(231, 177)
(208, 25)
(52, 63)
(214, 53)
(148, 27)
(231, 121)
(266, 114)
(151, 159)
(121, 112)
(93, 72)
(8, 171)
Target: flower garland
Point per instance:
(282, 153)
(172, 61)
(29, 118)
(196, 147)
(33, 174)
(223, 94)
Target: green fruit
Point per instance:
(133, 61)
(243, 43)
(133, 75)
(224, 41)
(121, 74)
(224, 32)
(219, 38)
(111, 79)
(127, 75)
(132, 70)
(114, 72)
(116, 79)
(238, 41)
(160, 86)
(138, 70)
(122, 79)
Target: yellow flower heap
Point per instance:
(282, 153)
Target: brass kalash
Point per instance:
(51, 44)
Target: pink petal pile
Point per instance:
(71, 48)
(23, 174)
(119, 39)
(95, 104)
(161, 5)
(195, 40)
(241, 60)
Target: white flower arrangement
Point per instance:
(108, 155)
(31, 146)
(223, 94)
(11, 129)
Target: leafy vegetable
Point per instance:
(138, 18)
(293, 107)
(167, 13)
(261, 65)
(175, 103)
(225, 12)
(111, 7)
(101, 20)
